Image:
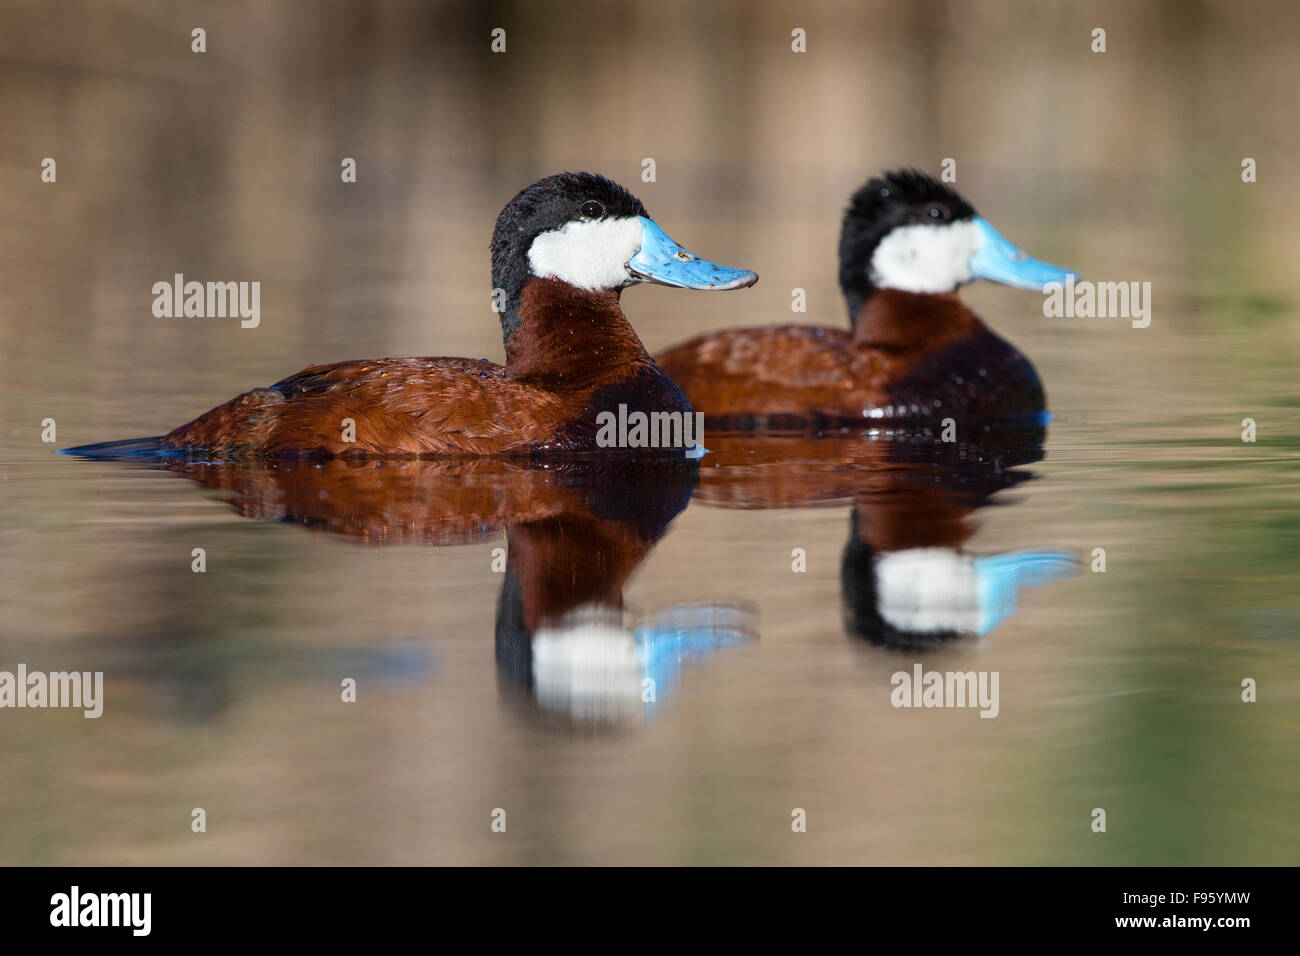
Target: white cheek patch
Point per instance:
(928, 590)
(589, 255)
(925, 258)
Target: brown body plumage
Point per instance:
(908, 355)
(573, 356)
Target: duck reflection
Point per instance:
(567, 648)
(906, 580)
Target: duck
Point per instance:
(914, 353)
(562, 251)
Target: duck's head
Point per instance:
(908, 231)
(592, 234)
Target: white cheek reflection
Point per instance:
(928, 591)
(588, 255)
(935, 590)
(589, 669)
(925, 258)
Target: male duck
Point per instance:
(913, 352)
(562, 251)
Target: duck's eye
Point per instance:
(591, 209)
(937, 212)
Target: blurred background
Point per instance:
(1119, 690)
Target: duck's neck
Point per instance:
(895, 321)
(567, 339)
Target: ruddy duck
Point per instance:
(562, 252)
(914, 352)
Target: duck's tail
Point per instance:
(131, 448)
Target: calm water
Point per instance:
(1118, 690)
